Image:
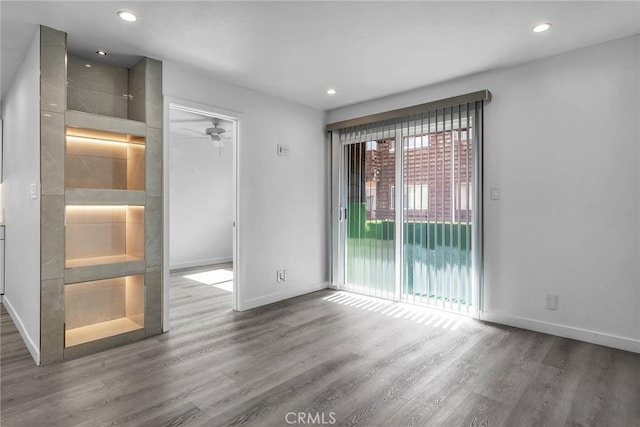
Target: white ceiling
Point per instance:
(297, 50)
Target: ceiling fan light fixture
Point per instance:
(127, 16)
(214, 130)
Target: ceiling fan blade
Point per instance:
(195, 131)
(202, 138)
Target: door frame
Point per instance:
(212, 111)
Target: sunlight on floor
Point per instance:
(219, 278)
(225, 286)
(398, 310)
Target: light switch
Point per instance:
(495, 193)
(282, 150)
(33, 190)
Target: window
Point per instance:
(461, 135)
(416, 196)
(416, 142)
(370, 192)
(465, 196)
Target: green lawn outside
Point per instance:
(437, 257)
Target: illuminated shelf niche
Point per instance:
(104, 160)
(103, 308)
(103, 234)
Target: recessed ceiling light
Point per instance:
(541, 27)
(127, 16)
(87, 65)
(331, 92)
(101, 52)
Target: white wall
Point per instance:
(200, 202)
(21, 116)
(562, 144)
(282, 210)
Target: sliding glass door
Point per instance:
(437, 220)
(370, 238)
(409, 207)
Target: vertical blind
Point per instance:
(411, 183)
(369, 161)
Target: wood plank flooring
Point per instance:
(335, 358)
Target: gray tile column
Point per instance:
(53, 103)
(153, 211)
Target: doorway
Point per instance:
(200, 199)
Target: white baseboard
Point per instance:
(17, 321)
(622, 343)
(199, 263)
(279, 296)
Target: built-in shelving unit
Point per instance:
(103, 160)
(104, 227)
(103, 234)
(101, 208)
(103, 308)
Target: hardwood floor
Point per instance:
(329, 356)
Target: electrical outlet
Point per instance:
(285, 274)
(552, 302)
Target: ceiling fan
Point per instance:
(215, 133)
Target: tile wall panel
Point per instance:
(53, 100)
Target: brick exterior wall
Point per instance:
(372, 176)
